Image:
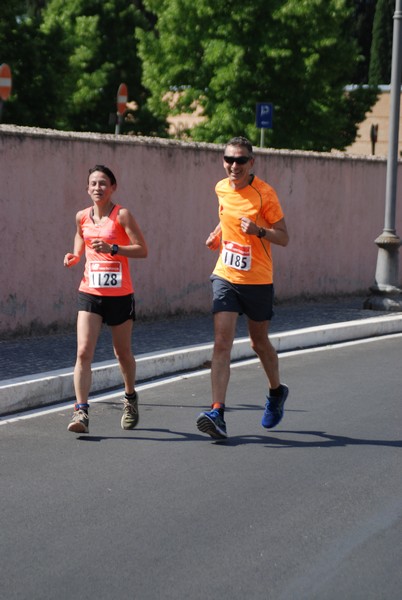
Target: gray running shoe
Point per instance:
(79, 422)
(213, 424)
(131, 415)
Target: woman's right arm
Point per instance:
(72, 258)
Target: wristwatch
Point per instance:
(114, 250)
(261, 232)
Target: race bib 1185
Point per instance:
(236, 256)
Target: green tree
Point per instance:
(381, 48)
(227, 55)
(37, 90)
(101, 49)
(362, 17)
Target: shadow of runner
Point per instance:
(325, 440)
(178, 436)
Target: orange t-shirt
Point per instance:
(246, 259)
(105, 275)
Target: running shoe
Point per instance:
(131, 415)
(273, 412)
(213, 424)
(79, 422)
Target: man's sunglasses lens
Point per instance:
(241, 160)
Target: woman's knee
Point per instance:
(85, 354)
(124, 355)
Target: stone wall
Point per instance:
(334, 206)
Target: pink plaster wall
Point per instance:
(334, 208)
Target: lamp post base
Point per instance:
(385, 300)
(385, 293)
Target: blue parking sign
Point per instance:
(264, 115)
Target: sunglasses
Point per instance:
(240, 160)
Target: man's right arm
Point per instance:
(214, 239)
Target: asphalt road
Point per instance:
(309, 511)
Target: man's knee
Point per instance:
(222, 345)
(262, 345)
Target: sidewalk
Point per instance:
(38, 371)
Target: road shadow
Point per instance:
(324, 439)
(137, 436)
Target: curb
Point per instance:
(34, 391)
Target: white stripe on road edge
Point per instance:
(33, 391)
(166, 380)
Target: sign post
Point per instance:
(122, 97)
(264, 118)
(5, 85)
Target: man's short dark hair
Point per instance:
(241, 141)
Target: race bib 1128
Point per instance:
(105, 274)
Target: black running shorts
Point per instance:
(114, 310)
(255, 301)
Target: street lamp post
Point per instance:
(386, 293)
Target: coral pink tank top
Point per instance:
(105, 275)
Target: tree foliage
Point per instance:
(68, 58)
(381, 48)
(362, 17)
(227, 55)
(102, 53)
(37, 81)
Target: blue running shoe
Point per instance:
(273, 412)
(213, 424)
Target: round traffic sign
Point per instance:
(5, 81)
(122, 97)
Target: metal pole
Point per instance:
(386, 294)
(119, 121)
(392, 165)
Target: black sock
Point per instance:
(275, 392)
(220, 407)
(130, 396)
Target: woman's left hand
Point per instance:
(101, 246)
